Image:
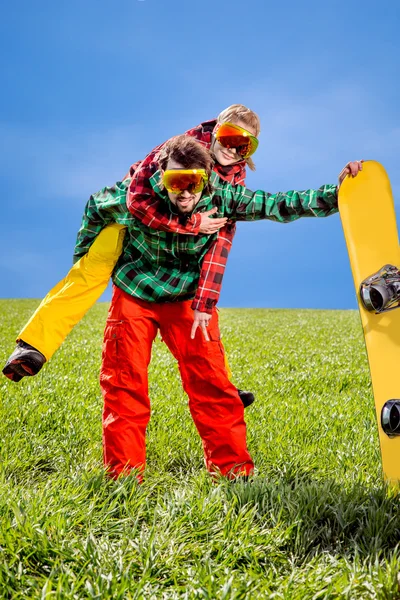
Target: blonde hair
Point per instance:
(238, 112)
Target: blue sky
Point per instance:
(90, 87)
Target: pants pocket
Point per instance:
(113, 345)
(215, 347)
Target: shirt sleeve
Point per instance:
(213, 269)
(105, 207)
(244, 205)
(132, 170)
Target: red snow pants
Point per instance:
(214, 403)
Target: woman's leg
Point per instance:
(66, 304)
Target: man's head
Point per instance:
(183, 153)
(246, 119)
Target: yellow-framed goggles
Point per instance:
(177, 181)
(230, 135)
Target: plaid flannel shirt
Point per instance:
(159, 266)
(142, 202)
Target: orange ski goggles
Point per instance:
(233, 136)
(177, 181)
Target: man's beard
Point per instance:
(187, 209)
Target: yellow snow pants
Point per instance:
(66, 304)
(68, 301)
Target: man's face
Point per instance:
(229, 156)
(186, 201)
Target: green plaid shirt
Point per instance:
(159, 266)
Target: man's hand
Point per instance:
(352, 169)
(201, 320)
(210, 225)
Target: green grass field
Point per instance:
(316, 522)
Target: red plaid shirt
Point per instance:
(143, 203)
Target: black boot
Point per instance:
(25, 360)
(246, 397)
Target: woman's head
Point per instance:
(243, 117)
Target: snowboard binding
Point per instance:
(381, 291)
(390, 418)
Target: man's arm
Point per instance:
(213, 269)
(210, 281)
(104, 207)
(243, 204)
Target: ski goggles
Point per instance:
(177, 181)
(233, 136)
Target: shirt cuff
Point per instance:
(206, 306)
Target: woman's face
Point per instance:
(229, 156)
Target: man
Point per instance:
(154, 281)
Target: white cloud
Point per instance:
(68, 163)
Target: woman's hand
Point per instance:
(208, 224)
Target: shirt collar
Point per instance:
(233, 174)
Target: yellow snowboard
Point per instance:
(369, 222)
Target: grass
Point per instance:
(317, 522)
